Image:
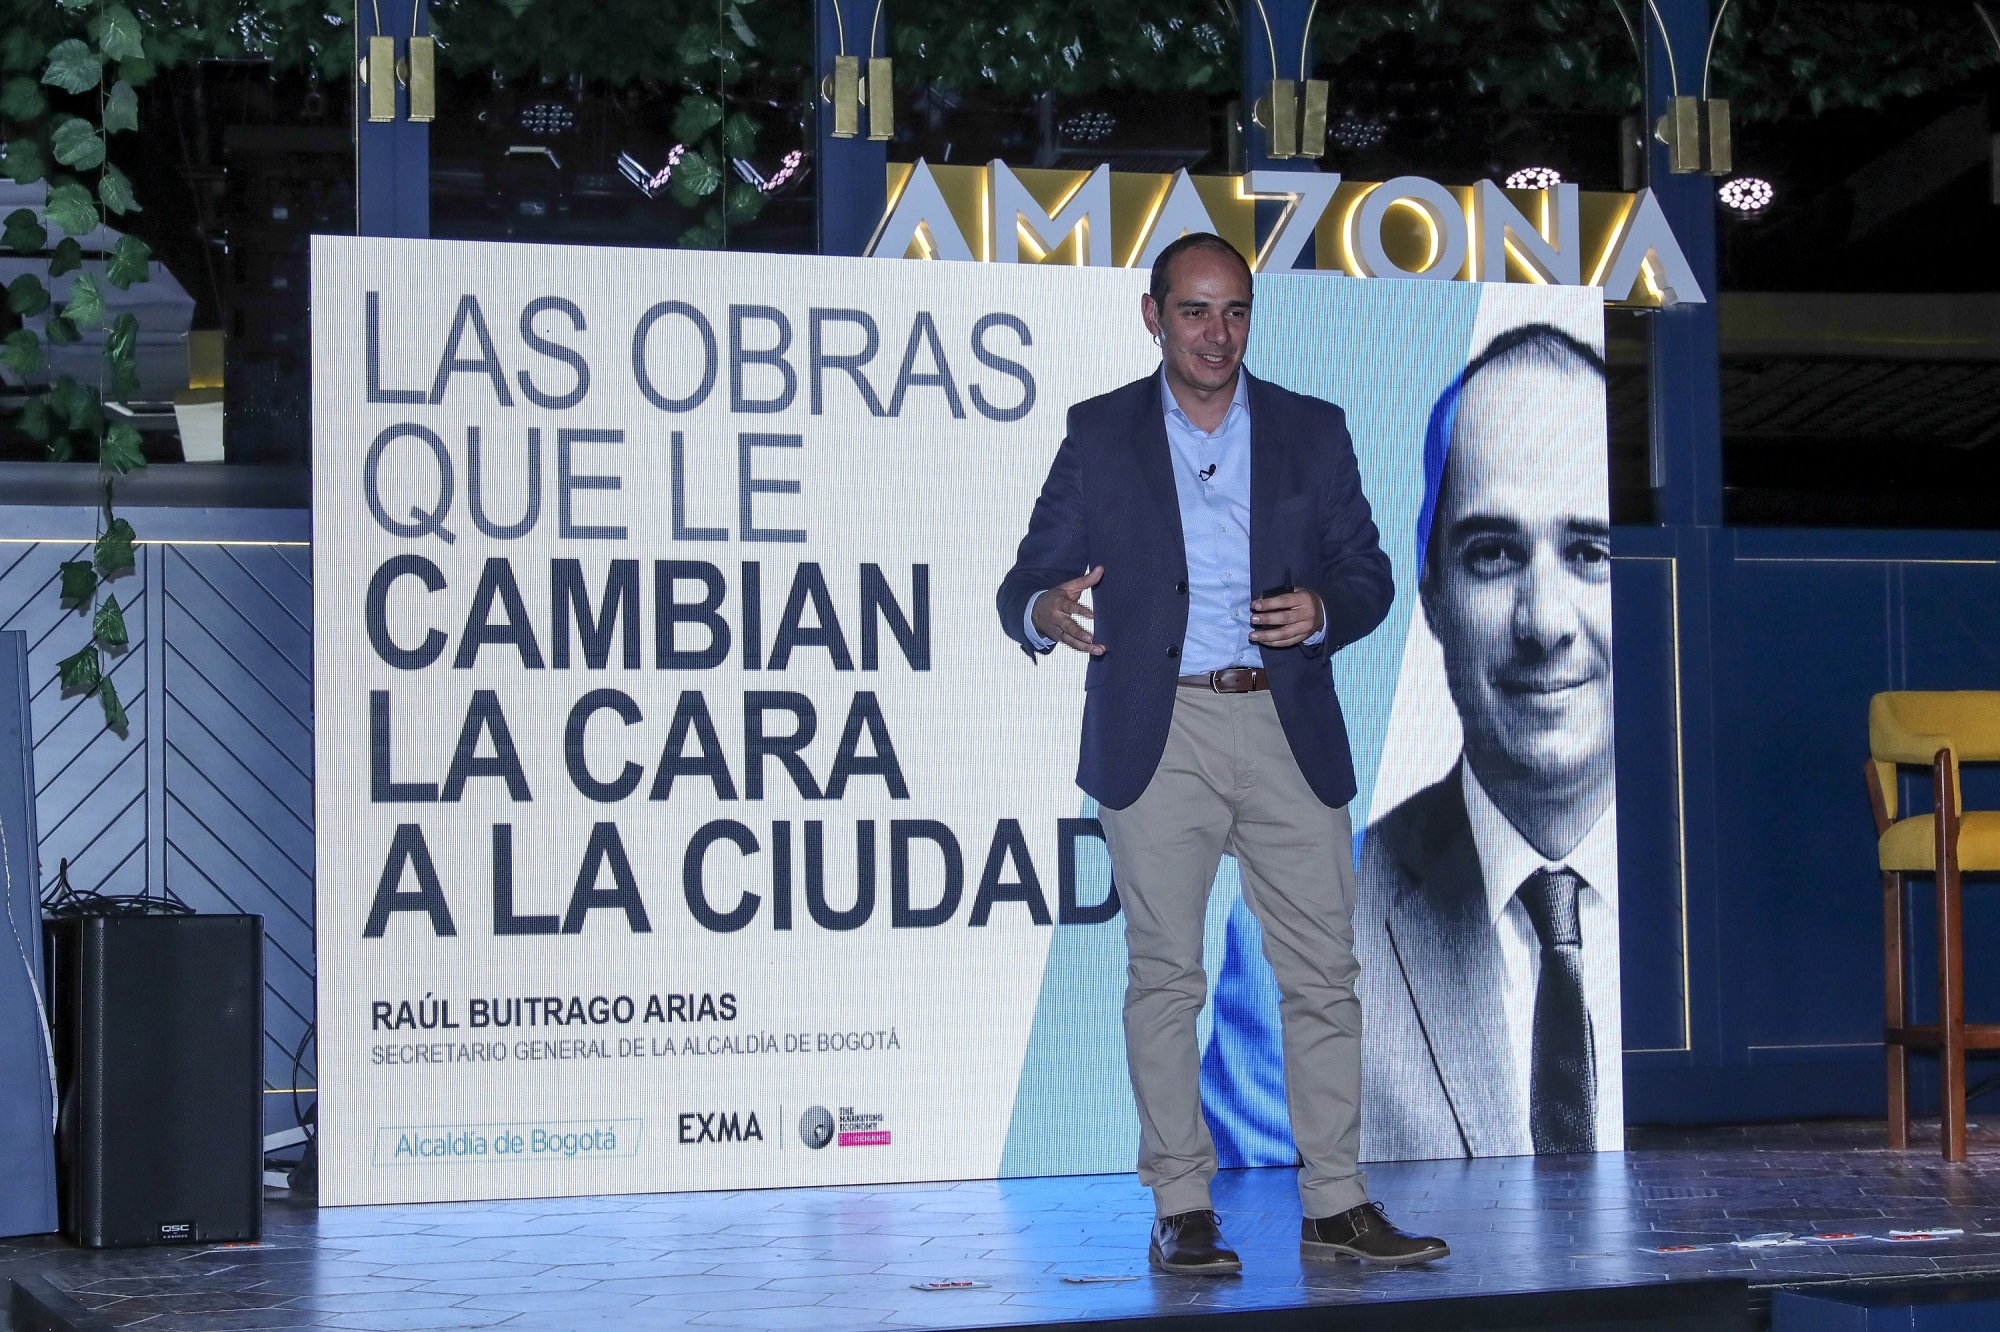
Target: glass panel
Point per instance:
(624, 123)
(234, 163)
(1628, 402)
(1453, 96)
(1861, 287)
(1074, 90)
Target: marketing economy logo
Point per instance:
(854, 1128)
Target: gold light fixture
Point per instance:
(381, 71)
(1696, 134)
(1312, 116)
(1292, 112)
(1277, 113)
(378, 72)
(1695, 130)
(847, 92)
(423, 80)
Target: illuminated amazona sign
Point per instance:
(1409, 228)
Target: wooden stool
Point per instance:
(1938, 731)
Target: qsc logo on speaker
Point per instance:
(719, 1126)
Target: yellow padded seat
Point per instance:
(1937, 730)
(1911, 726)
(1910, 845)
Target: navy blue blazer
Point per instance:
(1110, 500)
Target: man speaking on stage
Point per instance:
(1218, 523)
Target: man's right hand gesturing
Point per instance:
(1056, 611)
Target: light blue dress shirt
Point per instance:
(1212, 483)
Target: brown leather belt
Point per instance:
(1230, 680)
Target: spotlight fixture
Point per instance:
(547, 119)
(1746, 196)
(650, 183)
(1089, 126)
(1535, 178)
(787, 170)
(1355, 133)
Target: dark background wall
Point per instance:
(1752, 915)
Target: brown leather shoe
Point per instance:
(1191, 1244)
(1365, 1233)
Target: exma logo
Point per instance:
(721, 1126)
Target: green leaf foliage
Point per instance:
(79, 581)
(107, 626)
(121, 343)
(696, 116)
(76, 143)
(119, 35)
(26, 296)
(695, 178)
(21, 48)
(73, 67)
(23, 232)
(746, 201)
(115, 189)
(697, 46)
(121, 109)
(61, 332)
(77, 404)
(21, 99)
(36, 421)
(114, 711)
(81, 669)
(739, 134)
(66, 258)
(21, 352)
(22, 161)
(113, 553)
(85, 308)
(129, 260)
(70, 207)
(124, 380)
(120, 450)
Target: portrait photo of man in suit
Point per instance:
(1486, 919)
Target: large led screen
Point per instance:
(686, 820)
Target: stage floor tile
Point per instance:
(835, 1260)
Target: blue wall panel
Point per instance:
(91, 801)
(1644, 596)
(210, 791)
(238, 726)
(1783, 637)
(1806, 647)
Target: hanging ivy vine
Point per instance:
(68, 90)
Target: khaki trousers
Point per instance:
(1228, 782)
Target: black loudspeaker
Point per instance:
(159, 1054)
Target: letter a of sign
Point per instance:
(1181, 212)
(1017, 220)
(1644, 235)
(920, 216)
